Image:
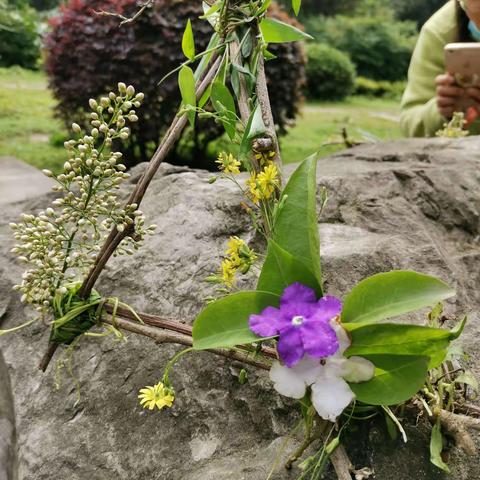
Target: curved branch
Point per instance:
(174, 326)
(167, 336)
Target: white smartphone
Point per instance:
(462, 60)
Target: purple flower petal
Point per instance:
(294, 309)
(298, 293)
(290, 346)
(267, 323)
(319, 339)
(327, 308)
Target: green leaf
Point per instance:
(186, 82)
(296, 5)
(436, 447)
(206, 57)
(264, 7)
(458, 329)
(255, 127)
(398, 339)
(397, 379)
(268, 55)
(224, 323)
(205, 97)
(467, 378)
(281, 269)
(296, 229)
(188, 42)
(391, 294)
(274, 31)
(224, 104)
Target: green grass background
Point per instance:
(30, 131)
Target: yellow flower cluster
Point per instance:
(227, 163)
(240, 257)
(262, 185)
(264, 158)
(158, 396)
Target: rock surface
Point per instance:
(408, 204)
(20, 181)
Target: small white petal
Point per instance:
(358, 369)
(287, 382)
(342, 335)
(334, 366)
(330, 396)
(308, 369)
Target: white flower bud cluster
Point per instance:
(61, 243)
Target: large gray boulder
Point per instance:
(408, 204)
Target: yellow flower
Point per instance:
(264, 158)
(227, 163)
(241, 256)
(268, 180)
(228, 270)
(255, 192)
(234, 245)
(157, 396)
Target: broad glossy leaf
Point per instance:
(224, 104)
(296, 229)
(188, 42)
(186, 82)
(224, 323)
(397, 379)
(274, 31)
(399, 339)
(390, 294)
(436, 447)
(281, 269)
(296, 5)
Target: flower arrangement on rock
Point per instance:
(337, 357)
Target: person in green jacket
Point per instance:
(431, 96)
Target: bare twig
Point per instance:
(243, 104)
(168, 142)
(124, 19)
(116, 237)
(166, 336)
(457, 426)
(174, 326)
(341, 463)
(264, 103)
(468, 409)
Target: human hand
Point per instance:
(449, 95)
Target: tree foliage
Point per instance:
(325, 7)
(417, 10)
(330, 73)
(19, 43)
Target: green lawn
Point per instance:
(28, 129)
(27, 124)
(365, 119)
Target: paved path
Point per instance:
(20, 181)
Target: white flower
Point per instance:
(328, 378)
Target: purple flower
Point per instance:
(302, 322)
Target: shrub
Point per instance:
(380, 50)
(324, 7)
(379, 88)
(19, 43)
(88, 54)
(330, 73)
(416, 10)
